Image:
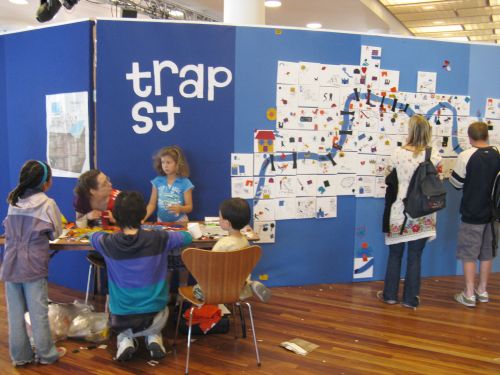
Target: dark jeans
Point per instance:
(412, 279)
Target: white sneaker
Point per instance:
(262, 292)
(155, 346)
(126, 349)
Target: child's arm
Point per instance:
(178, 239)
(56, 218)
(188, 204)
(153, 201)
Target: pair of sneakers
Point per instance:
(128, 346)
(471, 301)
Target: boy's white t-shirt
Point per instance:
(230, 243)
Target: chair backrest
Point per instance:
(221, 275)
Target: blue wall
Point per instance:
(37, 63)
(4, 152)
(203, 129)
(306, 251)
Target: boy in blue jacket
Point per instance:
(136, 262)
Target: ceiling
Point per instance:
(477, 20)
(465, 20)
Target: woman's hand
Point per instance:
(93, 215)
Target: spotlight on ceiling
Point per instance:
(68, 4)
(49, 8)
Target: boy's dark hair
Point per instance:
(236, 211)
(478, 131)
(129, 209)
(33, 175)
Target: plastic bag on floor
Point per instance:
(61, 316)
(90, 326)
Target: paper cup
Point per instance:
(195, 230)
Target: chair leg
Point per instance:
(253, 331)
(179, 316)
(88, 285)
(189, 338)
(233, 312)
(242, 320)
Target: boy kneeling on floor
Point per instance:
(136, 262)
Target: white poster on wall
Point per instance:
(68, 133)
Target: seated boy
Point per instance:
(136, 263)
(234, 215)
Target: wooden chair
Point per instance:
(221, 276)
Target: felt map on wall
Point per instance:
(336, 126)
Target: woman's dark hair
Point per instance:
(86, 181)
(129, 209)
(33, 175)
(236, 211)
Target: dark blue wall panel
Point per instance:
(4, 152)
(203, 129)
(41, 62)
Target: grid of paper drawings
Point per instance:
(336, 126)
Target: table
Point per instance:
(206, 242)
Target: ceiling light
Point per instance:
(437, 29)
(438, 22)
(404, 2)
(428, 7)
(272, 3)
(176, 13)
(314, 25)
(456, 38)
(19, 2)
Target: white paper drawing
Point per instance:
(242, 187)
(426, 81)
(326, 207)
(242, 164)
(67, 122)
(286, 208)
(288, 72)
(306, 207)
(266, 230)
(264, 209)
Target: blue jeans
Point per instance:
(32, 297)
(412, 279)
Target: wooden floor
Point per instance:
(355, 332)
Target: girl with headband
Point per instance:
(32, 220)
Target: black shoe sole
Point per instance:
(126, 355)
(155, 351)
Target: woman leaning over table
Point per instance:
(94, 199)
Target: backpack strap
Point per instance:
(428, 151)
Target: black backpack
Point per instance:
(495, 212)
(426, 193)
(495, 199)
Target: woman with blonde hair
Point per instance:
(416, 231)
